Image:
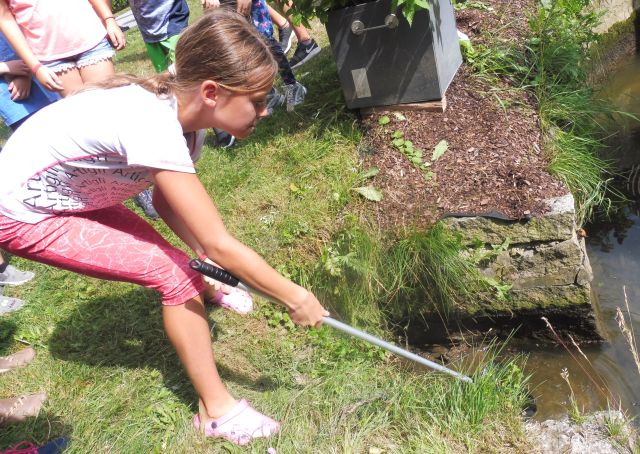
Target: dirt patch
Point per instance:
(494, 162)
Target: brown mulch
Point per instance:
(494, 163)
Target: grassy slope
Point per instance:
(115, 384)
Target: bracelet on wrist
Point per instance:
(35, 68)
(108, 17)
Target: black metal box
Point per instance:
(403, 64)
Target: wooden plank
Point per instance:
(439, 105)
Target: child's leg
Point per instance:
(97, 71)
(71, 81)
(117, 244)
(188, 330)
(284, 68)
(277, 18)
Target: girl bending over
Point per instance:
(65, 173)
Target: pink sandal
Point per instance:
(237, 300)
(240, 425)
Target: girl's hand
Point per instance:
(206, 4)
(18, 68)
(217, 285)
(48, 79)
(309, 312)
(20, 88)
(114, 34)
(244, 7)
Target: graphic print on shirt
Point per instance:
(85, 184)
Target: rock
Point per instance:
(591, 437)
(557, 224)
(541, 298)
(543, 265)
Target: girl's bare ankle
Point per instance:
(216, 409)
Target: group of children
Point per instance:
(66, 170)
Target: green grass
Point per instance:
(371, 277)
(116, 386)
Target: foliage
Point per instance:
(119, 5)
(302, 11)
(571, 118)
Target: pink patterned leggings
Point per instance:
(112, 243)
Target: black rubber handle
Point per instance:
(214, 272)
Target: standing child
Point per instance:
(62, 203)
(64, 43)
(160, 23)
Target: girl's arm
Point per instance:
(12, 32)
(14, 68)
(175, 223)
(194, 213)
(115, 35)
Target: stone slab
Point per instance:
(541, 265)
(556, 224)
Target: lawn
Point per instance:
(115, 384)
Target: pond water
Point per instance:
(614, 251)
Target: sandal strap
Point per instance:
(235, 411)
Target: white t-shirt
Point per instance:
(90, 151)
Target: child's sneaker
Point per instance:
(8, 304)
(237, 300)
(274, 99)
(295, 94)
(145, 201)
(224, 139)
(13, 276)
(240, 425)
(304, 53)
(285, 37)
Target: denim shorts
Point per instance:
(100, 52)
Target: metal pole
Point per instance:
(223, 276)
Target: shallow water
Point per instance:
(610, 372)
(614, 250)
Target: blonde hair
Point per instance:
(220, 46)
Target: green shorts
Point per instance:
(162, 53)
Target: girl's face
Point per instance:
(239, 113)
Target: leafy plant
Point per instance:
(304, 10)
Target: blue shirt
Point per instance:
(160, 19)
(14, 111)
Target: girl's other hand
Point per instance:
(206, 4)
(49, 79)
(244, 7)
(115, 35)
(18, 68)
(20, 88)
(309, 312)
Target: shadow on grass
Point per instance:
(127, 331)
(8, 329)
(38, 431)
